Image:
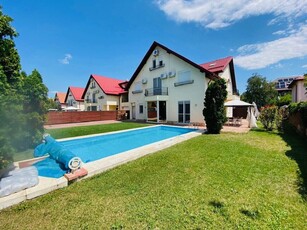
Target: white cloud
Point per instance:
(66, 59)
(218, 14)
(256, 56)
(304, 66)
(292, 41)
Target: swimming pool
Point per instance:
(97, 147)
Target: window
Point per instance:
(70, 102)
(93, 84)
(125, 97)
(88, 99)
(156, 64)
(184, 77)
(141, 109)
(157, 86)
(94, 98)
(137, 87)
(184, 111)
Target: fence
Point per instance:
(57, 117)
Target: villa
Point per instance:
(102, 93)
(59, 98)
(168, 87)
(74, 99)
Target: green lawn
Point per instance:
(229, 181)
(80, 131)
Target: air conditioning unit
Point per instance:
(144, 81)
(163, 76)
(172, 74)
(155, 53)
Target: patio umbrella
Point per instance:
(237, 103)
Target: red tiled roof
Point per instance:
(109, 85)
(76, 92)
(217, 66)
(61, 97)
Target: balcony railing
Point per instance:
(91, 100)
(156, 91)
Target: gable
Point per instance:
(152, 49)
(60, 97)
(76, 92)
(219, 66)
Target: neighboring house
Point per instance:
(102, 93)
(59, 98)
(281, 85)
(167, 87)
(299, 91)
(74, 98)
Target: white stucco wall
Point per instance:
(194, 92)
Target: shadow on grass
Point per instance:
(298, 152)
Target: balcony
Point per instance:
(156, 91)
(156, 67)
(91, 100)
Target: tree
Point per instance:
(9, 58)
(214, 111)
(22, 98)
(260, 91)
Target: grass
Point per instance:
(79, 131)
(227, 181)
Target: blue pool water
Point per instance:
(94, 148)
(97, 147)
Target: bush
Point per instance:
(284, 100)
(267, 117)
(300, 107)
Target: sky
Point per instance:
(67, 41)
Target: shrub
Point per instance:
(300, 107)
(214, 111)
(267, 117)
(284, 100)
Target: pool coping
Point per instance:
(47, 184)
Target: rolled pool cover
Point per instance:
(57, 152)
